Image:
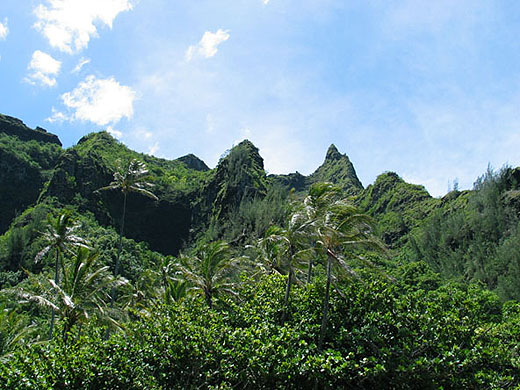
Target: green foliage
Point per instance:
(476, 239)
(380, 337)
(397, 206)
(15, 330)
(24, 168)
(210, 270)
(38, 154)
(419, 318)
(337, 169)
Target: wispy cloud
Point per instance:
(208, 45)
(81, 63)
(152, 150)
(4, 29)
(69, 25)
(43, 69)
(100, 101)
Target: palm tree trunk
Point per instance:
(209, 299)
(121, 232)
(309, 271)
(309, 268)
(287, 293)
(116, 269)
(57, 280)
(113, 292)
(325, 315)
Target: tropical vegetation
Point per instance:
(232, 278)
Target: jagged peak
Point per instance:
(338, 169)
(250, 149)
(389, 181)
(333, 153)
(388, 176)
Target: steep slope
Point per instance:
(338, 170)
(397, 206)
(240, 175)
(165, 225)
(475, 235)
(27, 158)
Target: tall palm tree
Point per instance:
(129, 177)
(209, 271)
(286, 245)
(60, 236)
(320, 196)
(81, 295)
(342, 229)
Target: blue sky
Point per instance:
(428, 89)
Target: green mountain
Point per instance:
(238, 202)
(336, 169)
(231, 280)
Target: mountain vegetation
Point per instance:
(120, 270)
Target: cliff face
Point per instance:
(240, 175)
(26, 160)
(164, 224)
(192, 197)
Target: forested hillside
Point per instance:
(122, 270)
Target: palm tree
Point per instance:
(172, 287)
(15, 330)
(342, 228)
(158, 287)
(60, 236)
(81, 295)
(320, 196)
(130, 177)
(284, 246)
(209, 271)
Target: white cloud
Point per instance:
(101, 101)
(207, 47)
(44, 69)
(265, 1)
(4, 30)
(81, 63)
(69, 24)
(57, 116)
(115, 133)
(153, 149)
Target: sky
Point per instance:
(427, 89)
